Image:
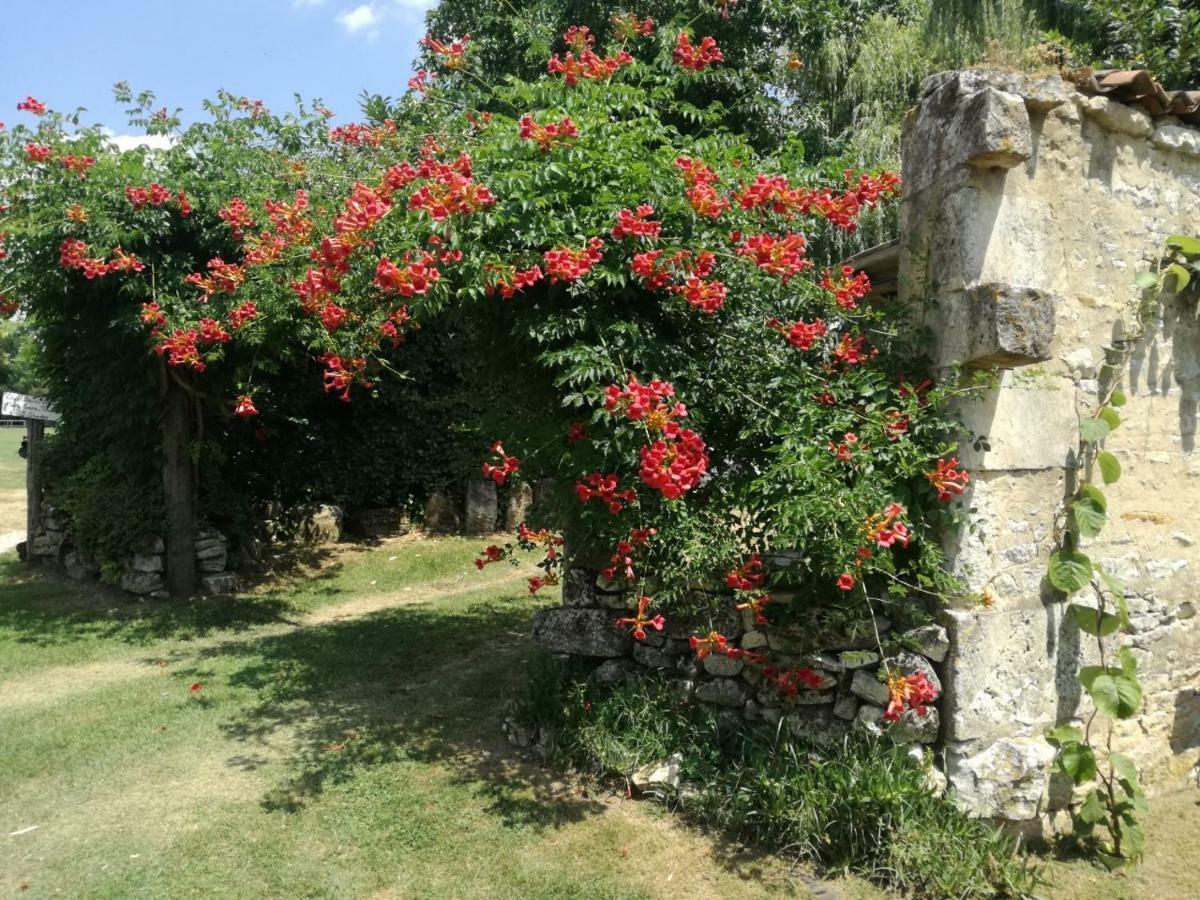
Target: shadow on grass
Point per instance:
(409, 684)
(43, 607)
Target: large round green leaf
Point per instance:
(1110, 467)
(1117, 696)
(1069, 571)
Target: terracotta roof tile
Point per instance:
(1137, 87)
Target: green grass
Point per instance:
(345, 742)
(12, 467)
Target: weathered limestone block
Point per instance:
(1177, 139)
(47, 544)
(651, 657)
(931, 641)
(379, 522)
(520, 499)
(582, 632)
(147, 562)
(1009, 325)
(1118, 117)
(612, 671)
(721, 692)
(658, 776)
(1012, 672)
(723, 666)
(322, 526)
(480, 510)
(1005, 780)
(858, 659)
(219, 583)
(79, 566)
(141, 582)
(440, 515)
(870, 688)
(1029, 424)
(846, 707)
(994, 130)
(914, 728)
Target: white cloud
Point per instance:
(127, 142)
(361, 18)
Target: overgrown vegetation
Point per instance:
(860, 804)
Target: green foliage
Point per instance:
(860, 805)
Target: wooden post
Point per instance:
(179, 489)
(35, 430)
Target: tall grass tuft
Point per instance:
(860, 804)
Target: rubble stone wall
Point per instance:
(1028, 209)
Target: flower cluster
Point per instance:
(550, 563)
(156, 195)
(801, 335)
(636, 223)
(565, 264)
(621, 562)
(508, 280)
(501, 465)
(588, 65)
(72, 256)
(749, 576)
(782, 257)
(657, 270)
(675, 463)
(245, 409)
(644, 402)
(627, 27)
(700, 182)
(342, 373)
(598, 485)
(579, 38)
(32, 105)
(452, 55)
(844, 450)
(641, 620)
(415, 275)
(358, 135)
(885, 529)
(847, 286)
(549, 135)
(696, 58)
(948, 480)
(908, 692)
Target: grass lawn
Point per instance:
(12, 481)
(343, 741)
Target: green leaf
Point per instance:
(1188, 246)
(1181, 274)
(1064, 734)
(1092, 809)
(1093, 430)
(1095, 495)
(1128, 661)
(1146, 280)
(1069, 571)
(1093, 621)
(1123, 766)
(1089, 519)
(1117, 398)
(1110, 467)
(1111, 418)
(1116, 695)
(1079, 762)
(1088, 675)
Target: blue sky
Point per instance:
(68, 53)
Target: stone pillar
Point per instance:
(480, 507)
(1028, 208)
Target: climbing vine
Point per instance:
(1114, 800)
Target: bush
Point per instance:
(859, 805)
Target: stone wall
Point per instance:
(845, 689)
(1028, 209)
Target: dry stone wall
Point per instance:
(1028, 210)
(845, 691)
